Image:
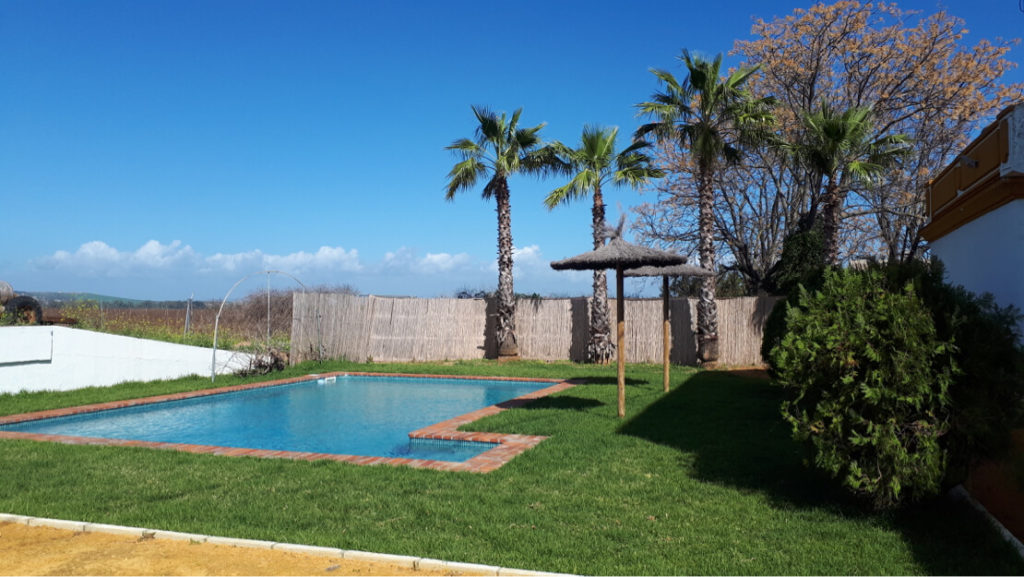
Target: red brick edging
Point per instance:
(508, 445)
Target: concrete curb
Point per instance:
(419, 563)
(959, 492)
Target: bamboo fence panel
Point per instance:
(684, 331)
(544, 328)
(741, 328)
(342, 326)
(426, 329)
(406, 329)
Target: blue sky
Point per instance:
(155, 149)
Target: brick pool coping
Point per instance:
(507, 445)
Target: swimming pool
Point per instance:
(397, 418)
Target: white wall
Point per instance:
(987, 255)
(60, 358)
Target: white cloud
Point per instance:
(405, 259)
(239, 261)
(533, 273)
(444, 262)
(175, 268)
(327, 258)
(97, 257)
(529, 256)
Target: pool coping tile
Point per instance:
(508, 445)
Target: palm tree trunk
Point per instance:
(600, 349)
(707, 309)
(830, 222)
(508, 347)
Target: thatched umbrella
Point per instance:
(619, 255)
(664, 272)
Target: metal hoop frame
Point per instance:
(216, 322)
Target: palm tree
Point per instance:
(594, 165)
(841, 151)
(498, 150)
(713, 118)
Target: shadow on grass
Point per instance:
(732, 427)
(583, 381)
(733, 434)
(563, 402)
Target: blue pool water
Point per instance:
(354, 415)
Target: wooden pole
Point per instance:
(620, 314)
(666, 334)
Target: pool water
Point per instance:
(353, 415)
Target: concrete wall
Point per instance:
(987, 255)
(61, 358)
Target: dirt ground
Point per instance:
(996, 486)
(28, 550)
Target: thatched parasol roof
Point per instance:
(617, 253)
(673, 270)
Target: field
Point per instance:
(243, 324)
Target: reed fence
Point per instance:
(361, 328)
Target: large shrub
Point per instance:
(871, 378)
(987, 394)
(801, 264)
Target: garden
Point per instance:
(705, 479)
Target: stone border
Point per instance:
(960, 493)
(404, 561)
(508, 445)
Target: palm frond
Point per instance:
(578, 188)
(466, 148)
(547, 160)
(594, 162)
(838, 143)
(491, 125)
(500, 148)
(464, 175)
(493, 185)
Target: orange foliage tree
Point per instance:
(921, 77)
(918, 74)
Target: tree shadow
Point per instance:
(732, 428)
(563, 402)
(584, 381)
(731, 432)
(579, 330)
(490, 328)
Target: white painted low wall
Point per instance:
(62, 358)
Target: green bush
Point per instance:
(871, 378)
(986, 396)
(801, 264)
(802, 261)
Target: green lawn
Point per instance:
(703, 480)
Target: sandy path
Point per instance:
(26, 550)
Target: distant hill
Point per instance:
(58, 299)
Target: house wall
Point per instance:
(987, 255)
(60, 358)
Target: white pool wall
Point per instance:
(61, 358)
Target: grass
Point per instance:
(703, 480)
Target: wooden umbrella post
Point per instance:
(619, 255)
(620, 313)
(666, 335)
(664, 272)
